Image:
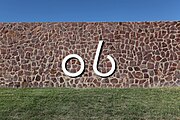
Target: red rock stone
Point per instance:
(136, 68)
(138, 75)
(114, 80)
(122, 60)
(61, 80)
(20, 73)
(53, 71)
(15, 53)
(150, 65)
(148, 57)
(158, 58)
(28, 55)
(3, 51)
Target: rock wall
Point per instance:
(147, 54)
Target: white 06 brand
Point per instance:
(95, 64)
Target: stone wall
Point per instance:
(147, 54)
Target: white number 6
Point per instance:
(96, 59)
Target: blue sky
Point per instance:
(88, 10)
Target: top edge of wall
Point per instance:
(101, 22)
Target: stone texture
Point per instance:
(147, 54)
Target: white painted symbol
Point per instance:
(96, 59)
(64, 65)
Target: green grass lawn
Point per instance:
(83, 104)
